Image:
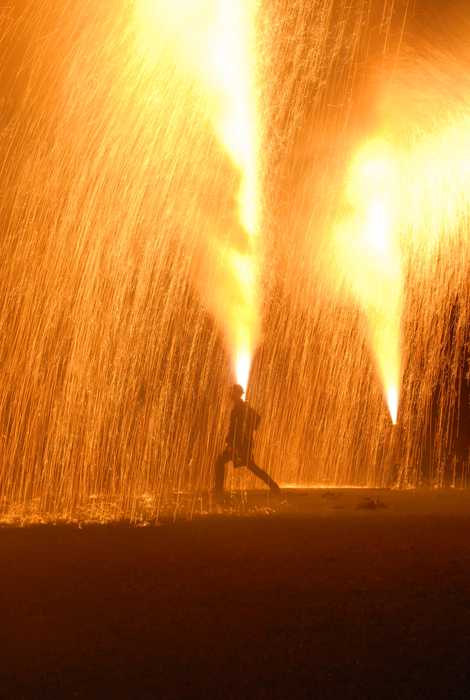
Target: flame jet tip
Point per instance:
(392, 403)
(242, 368)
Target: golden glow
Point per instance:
(369, 256)
(242, 368)
(437, 186)
(213, 43)
(233, 63)
(236, 123)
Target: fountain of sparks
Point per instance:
(368, 252)
(406, 197)
(213, 42)
(131, 210)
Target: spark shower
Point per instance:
(213, 43)
(198, 190)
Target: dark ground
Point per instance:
(319, 600)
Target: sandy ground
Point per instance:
(334, 594)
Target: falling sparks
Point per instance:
(170, 174)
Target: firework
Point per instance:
(213, 43)
(146, 182)
(369, 256)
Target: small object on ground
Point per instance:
(369, 503)
(329, 494)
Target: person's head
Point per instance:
(236, 392)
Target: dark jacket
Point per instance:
(244, 420)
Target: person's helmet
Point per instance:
(237, 391)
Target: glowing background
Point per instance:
(134, 223)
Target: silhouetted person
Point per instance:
(391, 457)
(239, 443)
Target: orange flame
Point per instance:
(214, 42)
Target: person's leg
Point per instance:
(220, 463)
(264, 476)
